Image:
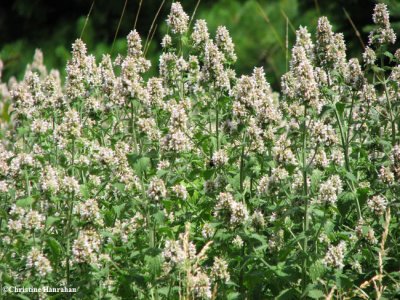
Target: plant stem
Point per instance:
(69, 217)
(216, 124)
(27, 187)
(345, 147)
(242, 164)
(305, 187)
(392, 119)
(132, 127)
(305, 192)
(343, 139)
(389, 103)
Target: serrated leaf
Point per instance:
(119, 186)
(25, 202)
(315, 294)
(259, 238)
(388, 54)
(22, 297)
(55, 247)
(340, 108)
(376, 69)
(154, 264)
(85, 191)
(317, 269)
(315, 179)
(351, 177)
(288, 294)
(118, 209)
(233, 296)
(51, 220)
(142, 165)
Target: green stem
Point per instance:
(350, 120)
(242, 164)
(305, 195)
(69, 218)
(389, 103)
(216, 124)
(343, 139)
(27, 184)
(320, 227)
(305, 187)
(345, 147)
(392, 119)
(132, 127)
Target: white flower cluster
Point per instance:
(50, 180)
(177, 19)
(220, 158)
(335, 255)
(200, 33)
(238, 242)
(329, 190)
(113, 153)
(323, 133)
(128, 227)
(384, 33)
(70, 185)
(28, 220)
(89, 211)
(180, 191)
(182, 254)
(86, 247)
(386, 175)
(236, 211)
(208, 231)
(219, 270)
(200, 284)
(36, 260)
(377, 204)
(156, 189)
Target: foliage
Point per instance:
(197, 183)
(259, 28)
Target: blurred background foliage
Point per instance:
(262, 30)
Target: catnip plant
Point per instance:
(200, 183)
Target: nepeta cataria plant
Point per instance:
(199, 183)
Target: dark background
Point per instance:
(259, 28)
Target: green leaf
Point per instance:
(376, 69)
(142, 165)
(109, 217)
(25, 202)
(119, 208)
(233, 296)
(154, 264)
(159, 217)
(315, 294)
(340, 108)
(85, 191)
(317, 269)
(23, 297)
(351, 177)
(22, 130)
(51, 220)
(315, 179)
(55, 247)
(259, 238)
(3, 213)
(119, 186)
(388, 54)
(288, 294)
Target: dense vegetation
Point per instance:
(258, 27)
(194, 182)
